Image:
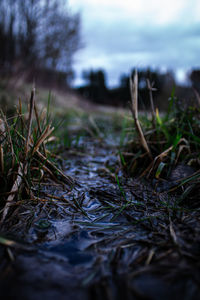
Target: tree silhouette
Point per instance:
(195, 79)
(40, 33)
(95, 88)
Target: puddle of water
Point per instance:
(73, 248)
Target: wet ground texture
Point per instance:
(108, 238)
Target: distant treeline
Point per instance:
(161, 84)
(38, 40)
(38, 35)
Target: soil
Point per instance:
(107, 238)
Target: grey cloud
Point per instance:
(125, 37)
(125, 45)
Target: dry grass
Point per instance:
(24, 159)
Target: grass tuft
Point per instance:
(163, 144)
(24, 159)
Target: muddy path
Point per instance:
(108, 238)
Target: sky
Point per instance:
(119, 35)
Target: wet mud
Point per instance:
(107, 238)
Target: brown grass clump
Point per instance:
(24, 159)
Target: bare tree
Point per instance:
(41, 32)
(60, 37)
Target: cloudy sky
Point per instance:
(121, 34)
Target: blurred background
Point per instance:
(89, 48)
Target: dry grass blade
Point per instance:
(10, 243)
(44, 135)
(172, 232)
(181, 149)
(2, 130)
(19, 111)
(22, 155)
(134, 98)
(151, 89)
(51, 174)
(30, 118)
(10, 254)
(14, 188)
(134, 95)
(94, 125)
(39, 127)
(7, 129)
(150, 256)
(157, 160)
(7, 242)
(1, 159)
(2, 138)
(67, 179)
